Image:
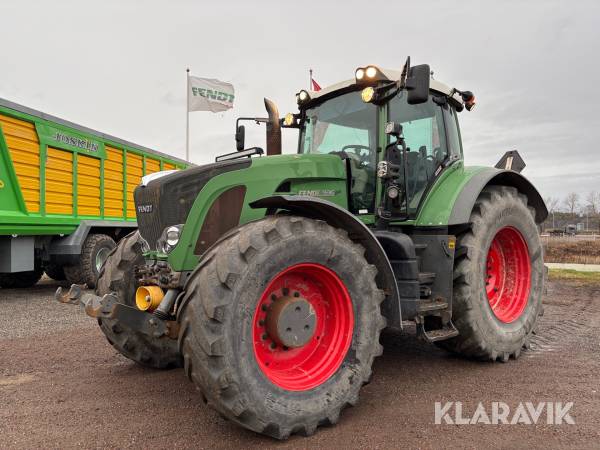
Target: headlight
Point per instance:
(172, 236)
(367, 94)
(169, 238)
(359, 74)
(288, 120)
(302, 97)
(393, 192)
(371, 72)
(369, 75)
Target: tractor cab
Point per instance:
(349, 119)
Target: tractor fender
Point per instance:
(316, 208)
(461, 211)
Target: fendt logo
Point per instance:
(213, 95)
(144, 209)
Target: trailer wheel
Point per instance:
(55, 271)
(117, 276)
(498, 278)
(280, 325)
(19, 280)
(94, 253)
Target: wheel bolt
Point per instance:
(285, 291)
(296, 294)
(273, 297)
(273, 345)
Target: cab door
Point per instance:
(427, 150)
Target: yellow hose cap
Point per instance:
(147, 298)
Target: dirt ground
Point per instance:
(63, 386)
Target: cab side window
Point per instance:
(454, 141)
(423, 131)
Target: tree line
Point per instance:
(573, 203)
(574, 209)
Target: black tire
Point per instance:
(216, 320)
(87, 271)
(55, 271)
(117, 275)
(18, 280)
(481, 334)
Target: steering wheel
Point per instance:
(357, 151)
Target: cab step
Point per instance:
(432, 305)
(446, 332)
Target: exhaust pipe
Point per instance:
(273, 129)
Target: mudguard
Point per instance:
(461, 211)
(338, 217)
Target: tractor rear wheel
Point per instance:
(117, 276)
(498, 278)
(280, 325)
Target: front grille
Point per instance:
(168, 200)
(147, 207)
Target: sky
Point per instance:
(120, 67)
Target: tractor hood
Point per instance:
(167, 200)
(211, 199)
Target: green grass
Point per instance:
(568, 274)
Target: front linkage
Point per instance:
(108, 307)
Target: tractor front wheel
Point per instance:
(280, 325)
(498, 278)
(117, 276)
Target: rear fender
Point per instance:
(338, 217)
(461, 211)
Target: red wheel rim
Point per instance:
(508, 275)
(307, 366)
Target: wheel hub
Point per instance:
(302, 326)
(101, 257)
(291, 321)
(507, 275)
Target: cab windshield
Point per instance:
(346, 126)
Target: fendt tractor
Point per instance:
(269, 278)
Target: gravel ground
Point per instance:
(63, 386)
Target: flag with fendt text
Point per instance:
(208, 94)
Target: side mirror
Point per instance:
(417, 84)
(240, 138)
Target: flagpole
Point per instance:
(187, 116)
(310, 80)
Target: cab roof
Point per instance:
(392, 75)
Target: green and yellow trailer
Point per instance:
(66, 195)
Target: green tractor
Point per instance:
(269, 278)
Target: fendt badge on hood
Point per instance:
(144, 208)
